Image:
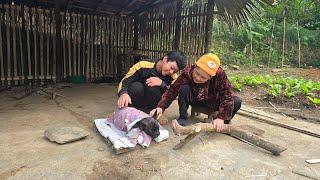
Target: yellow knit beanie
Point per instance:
(209, 63)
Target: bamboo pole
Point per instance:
(2, 78)
(8, 77)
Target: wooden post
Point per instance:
(177, 33)
(59, 60)
(208, 26)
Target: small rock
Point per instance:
(276, 70)
(235, 67)
(101, 149)
(62, 135)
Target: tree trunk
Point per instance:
(270, 46)
(299, 45)
(283, 40)
(251, 45)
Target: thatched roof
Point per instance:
(234, 11)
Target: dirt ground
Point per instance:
(26, 154)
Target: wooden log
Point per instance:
(230, 130)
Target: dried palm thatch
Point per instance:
(237, 11)
(234, 12)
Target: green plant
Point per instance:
(314, 100)
(275, 90)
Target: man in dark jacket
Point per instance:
(203, 84)
(146, 81)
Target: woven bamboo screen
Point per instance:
(90, 43)
(157, 31)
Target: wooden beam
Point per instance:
(177, 33)
(208, 27)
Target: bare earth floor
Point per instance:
(26, 154)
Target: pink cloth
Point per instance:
(125, 118)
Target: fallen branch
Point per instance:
(230, 130)
(277, 109)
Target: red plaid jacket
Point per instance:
(216, 92)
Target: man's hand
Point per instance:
(218, 124)
(154, 81)
(159, 112)
(124, 100)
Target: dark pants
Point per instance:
(186, 98)
(143, 97)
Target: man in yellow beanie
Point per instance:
(203, 84)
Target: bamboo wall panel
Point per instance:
(90, 44)
(157, 28)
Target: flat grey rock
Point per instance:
(62, 135)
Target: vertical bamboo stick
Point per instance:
(8, 78)
(74, 42)
(1, 46)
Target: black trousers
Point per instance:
(143, 97)
(186, 98)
